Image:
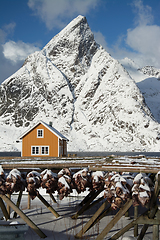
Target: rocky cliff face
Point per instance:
(87, 94)
(148, 81)
(150, 71)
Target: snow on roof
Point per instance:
(56, 132)
(52, 129)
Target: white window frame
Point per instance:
(35, 150)
(39, 150)
(46, 147)
(42, 133)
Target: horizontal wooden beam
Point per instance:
(146, 220)
(92, 166)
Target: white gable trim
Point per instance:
(29, 130)
(52, 130)
(46, 126)
(58, 147)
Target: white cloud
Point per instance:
(9, 28)
(12, 54)
(18, 51)
(143, 13)
(6, 30)
(2, 35)
(146, 41)
(142, 41)
(55, 13)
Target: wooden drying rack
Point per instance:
(101, 163)
(150, 217)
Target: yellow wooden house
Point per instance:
(42, 140)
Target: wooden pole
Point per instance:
(127, 227)
(23, 216)
(29, 202)
(85, 207)
(8, 207)
(127, 213)
(153, 207)
(122, 231)
(95, 202)
(92, 219)
(135, 217)
(4, 210)
(103, 214)
(116, 218)
(142, 219)
(155, 232)
(52, 197)
(89, 195)
(47, 205)
(18, 203)
(145, 226)
(156, 227)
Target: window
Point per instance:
(39, 150)
(40, 133)
(45, 150)
(35, 150)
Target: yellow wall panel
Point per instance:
(49, 139)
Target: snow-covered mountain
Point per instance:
(148, 81)
(88, 95)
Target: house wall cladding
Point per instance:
(49, 139)
(62, 147)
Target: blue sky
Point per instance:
(126, 28)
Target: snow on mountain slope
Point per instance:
(72, 51)
(87, 94)
(148, 81)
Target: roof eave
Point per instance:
(43, 123)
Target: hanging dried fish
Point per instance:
(33, 183)
(49, 180)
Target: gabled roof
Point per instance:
(52, 129)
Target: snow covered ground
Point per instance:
(63, 227)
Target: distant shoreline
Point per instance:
(92, 154)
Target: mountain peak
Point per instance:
(76, 41)
(76, 21)
(87, 94)
(73, 30)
